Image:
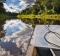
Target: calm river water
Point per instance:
(2, 22)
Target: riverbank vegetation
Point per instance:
(41, 7)
(2, 12)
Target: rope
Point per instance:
(49, 31)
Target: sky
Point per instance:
(17, 5)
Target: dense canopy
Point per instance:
(44, 6)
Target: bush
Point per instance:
(3, 16)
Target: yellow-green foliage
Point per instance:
(42, 18)
(3, 16)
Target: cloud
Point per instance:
(8, 9)
(17, 5)
(23, 4)
(29, 1)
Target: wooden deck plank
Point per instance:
(31, 51)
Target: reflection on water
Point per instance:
(17, 43)
(12, 26)
(9, 27)
(1, 29)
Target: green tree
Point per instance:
(2, 10)
(44, 6)
(56, 4)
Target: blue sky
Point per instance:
(15, 2)
(17, 5)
